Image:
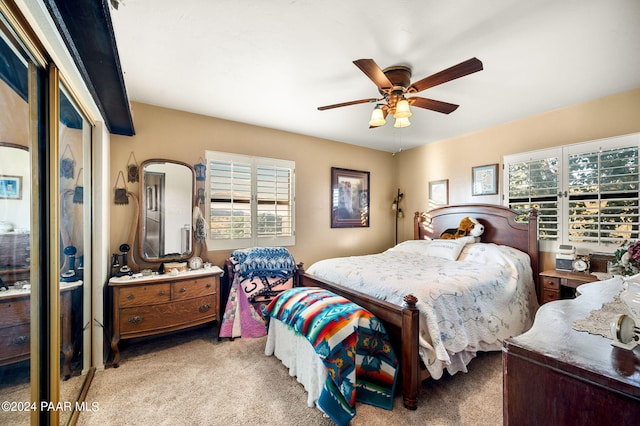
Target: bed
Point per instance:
(401, 312)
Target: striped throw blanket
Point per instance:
(352, 344)
(264, 261)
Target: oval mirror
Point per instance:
(166, 211)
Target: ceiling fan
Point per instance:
(394, 83)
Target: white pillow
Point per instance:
(413, 247)
(446, 249)
(485, 253)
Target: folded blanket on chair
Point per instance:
(352, 344)
(265, 261)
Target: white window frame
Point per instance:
(563, 153)
(254, 240)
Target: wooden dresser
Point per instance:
(162, 303)
(15, 325)
(556, 375)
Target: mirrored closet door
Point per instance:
(45, 240)
(16, 243)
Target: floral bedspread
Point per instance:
(467, 305)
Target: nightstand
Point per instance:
(555, 284)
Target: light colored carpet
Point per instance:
(190, 378)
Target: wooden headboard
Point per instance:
(500, 226)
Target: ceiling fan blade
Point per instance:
(464, 68)
(433, 105)
(373, 71)
(361, 101)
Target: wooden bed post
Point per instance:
(409, 357)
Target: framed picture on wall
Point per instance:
(11, 187)
(439, 192)
(484, 180)
(349, 198)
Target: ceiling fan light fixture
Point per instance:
(402, 122)
(402, 109)
(377, 117)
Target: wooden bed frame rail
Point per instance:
(402, 322)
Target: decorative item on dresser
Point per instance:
(571, 377)
(157, 304)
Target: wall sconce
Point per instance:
(201, 171)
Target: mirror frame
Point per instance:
(142, 208)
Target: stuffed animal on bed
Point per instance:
(469, 229)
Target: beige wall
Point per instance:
(453, 158)
(177, 135)
(166, 133)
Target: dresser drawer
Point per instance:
(193, 288)
(144, 295)
(170, 316)
(15, 311)
(15, 341)
(551, 283)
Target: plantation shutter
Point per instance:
(603, 195)
(587, 194)
(230, 205)
(534, 182)
(274, 194)
(251, 201)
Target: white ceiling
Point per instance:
(272, 63)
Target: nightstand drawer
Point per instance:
(550, 295)
(145, 295)
(551, 283)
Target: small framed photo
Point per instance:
(439, 192)
(349, 198)
(484, 180)
(11, 187)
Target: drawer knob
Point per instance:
(136, 319)
(204, 308)
(130, 296)
(208, 285)
(182, 290)
(20, 340)
(161, 293)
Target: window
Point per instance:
(251, 201)
(586, 194)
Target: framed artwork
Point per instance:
(439, 192)
(349, 198)
(10, 187)
(484, 180)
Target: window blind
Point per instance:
(251, 201)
